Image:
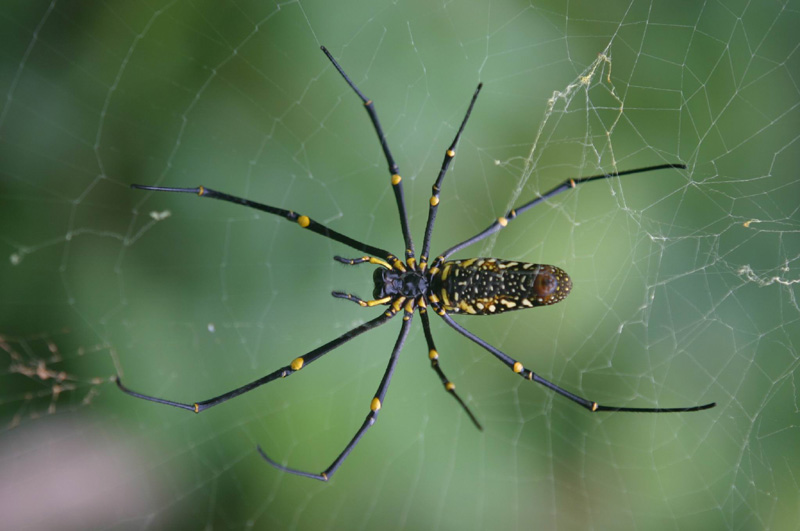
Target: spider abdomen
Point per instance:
(487, 286)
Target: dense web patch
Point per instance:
(684, 283)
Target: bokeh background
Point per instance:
(685, 282)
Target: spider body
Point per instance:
(488, 286)
(475, 286)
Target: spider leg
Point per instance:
(304, 221)
(294, 366)
(437, 186)
(433, 354)
(363, 260)
(518, 368)
(502, 222)
(361, 302)
(372, 416)
(397, 181)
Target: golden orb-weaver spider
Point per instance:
(476, 286)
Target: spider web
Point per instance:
(685, 282)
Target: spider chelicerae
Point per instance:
(475, 286)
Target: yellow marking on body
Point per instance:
(446, 271)
(451, 153)
(450, 386)
(480, 306)
(297, 364)
(508, 304)
(518, 367)
(376, 404)
(445, 298)
(434, 271)
(432, 354)
(303, 221)
(492, 307)
(502, 221)
(465, 306)
(396, 179)
(433, 298)
(197, 408)
(528, 303)
(434, 200)
(595, 406)
(201, 190)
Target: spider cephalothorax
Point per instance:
(475, 286)
(410, 283)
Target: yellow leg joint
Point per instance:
(451, 153)
(502, 221)
(376, 404)
(518, 367)
(197, 408)
(201, 190)
(377, 302)
(396, 179)
(303, 221)
(450, 386)
(297, 364)
(432, 354)
(378, 261)
(595, 405)
(434, 200)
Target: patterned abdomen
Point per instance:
(487, 286)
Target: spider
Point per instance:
(475, 286)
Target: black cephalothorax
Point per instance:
(476, 286)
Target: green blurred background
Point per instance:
(685, 281)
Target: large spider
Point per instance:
(475, 286)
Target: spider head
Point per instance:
(389, 282)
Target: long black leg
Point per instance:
(518, 368)
(437, 186)
(304, 221)
(294, 366)
(502, 222)
(397, 181)
(433, 355)
(372, 416)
